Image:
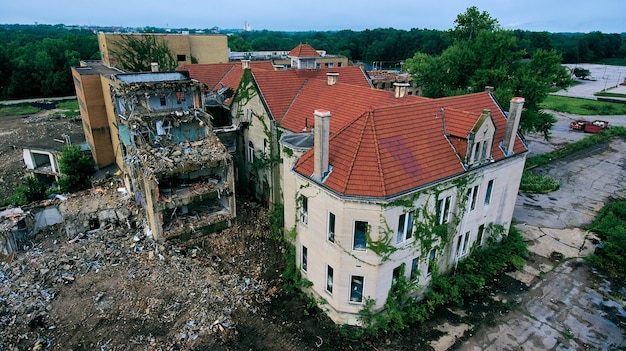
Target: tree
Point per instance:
(469, 24)
(485, 55)
(135, 53)
(76, 168)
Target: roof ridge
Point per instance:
(293, 101)
(261, 95)
(377, 150)
(358, 148)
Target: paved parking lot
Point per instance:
(605, 77)
(568, 305)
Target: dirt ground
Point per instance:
(114, 289)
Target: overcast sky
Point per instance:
(608, 16)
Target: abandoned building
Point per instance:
(375, 183)
(403, 189)
(186, 48)
(154, 127)
(173, 164)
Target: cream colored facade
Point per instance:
(203, 48)
(259, 176)
(500, 180)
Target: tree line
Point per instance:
(35, 60)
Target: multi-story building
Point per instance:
(161, 138)
(415, 185)
(186, 48)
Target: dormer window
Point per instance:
(480, 140)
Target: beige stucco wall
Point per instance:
(383, 220)
(205, 48)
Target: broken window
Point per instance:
(462, 245)
(472, 194)
(181, 58)
(329, 279)
(488, 192)
(162, 100)
(304, 209)
(432, 255)
(356, 289)
(415, 269)
(396, 275)
(479, 236)
(250, 154)
(304, 258)
(443, 210)
(180, 97)
(360, 231)
(405, 227)
(331, 227)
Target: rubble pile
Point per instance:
(114, 288)
(180, 155)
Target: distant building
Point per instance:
(185, 48)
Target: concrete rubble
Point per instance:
(109, 273)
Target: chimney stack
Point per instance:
(332, 78)
(400, 89)
(154, 66)
(322, 134)
(512, 123)
(245, 64)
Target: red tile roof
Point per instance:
(303, 50)
(218, 75)
(386, 151)
(279, 89)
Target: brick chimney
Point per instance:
(154, 66)
(400, 89)
(320, 146)
(512, 123)
(332, 78)
(245, 64)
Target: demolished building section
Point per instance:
(173, 163)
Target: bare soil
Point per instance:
(114, 289)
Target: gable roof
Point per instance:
(279, 89)
(219, 75)
(388, 151)
(303, 50)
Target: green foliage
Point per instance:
(472, 274)
(580, 72)
(610, 224)
(31, 190)
(76, 168)
(18, 110)
(382, 247)
(582, 106)
(277, 222)
(35, 61)
(537, 183)
(484, 55)
(292, 276)
(601, 137)
(135, 53)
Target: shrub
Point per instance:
(537, 183)
(76, 168)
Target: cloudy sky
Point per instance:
(608, 16)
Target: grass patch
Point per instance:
(610, 225)
(18, 110)
(602, 137)
(537, 183)
(609, 94)
(582, 106)
(71, 108)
